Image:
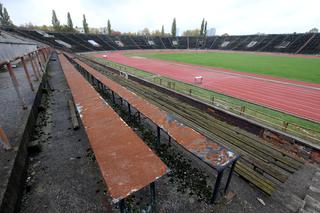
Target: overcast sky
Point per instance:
(227, 16)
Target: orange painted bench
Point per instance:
(127, 164)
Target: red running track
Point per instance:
(293, 97)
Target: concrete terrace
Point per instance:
(173, 148)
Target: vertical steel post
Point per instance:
(217, 186)
(113, 98)
(33, 68)
(153, 196)
(39, 62)
(285, 125)
(139, 117)
(129, 111)
(230, 176)
(27, 73)
(16, 86)
(122, 206)
(158, 137)
(99, 86)
(40, 57)
(104, 89)
(92, 79)
(46, 53)
(44, 56)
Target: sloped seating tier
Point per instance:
(127, 164)
(304, 43)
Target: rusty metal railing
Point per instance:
(38, 60)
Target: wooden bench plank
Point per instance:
(126, 163)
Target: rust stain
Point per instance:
(126, 163)
(212, 153)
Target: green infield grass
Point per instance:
(295, 68)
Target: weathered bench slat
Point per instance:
(256, 179)
(267, 167)
(251, 146)
(126, 163)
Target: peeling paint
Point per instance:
(104, 100)
(79, 109)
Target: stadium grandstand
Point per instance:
(104, 121)
(298, 43)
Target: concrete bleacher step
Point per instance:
(293, 202)
(306, 211)
(314, 192)
(312, 198)
(314, 188)
(311, 204)
(316, 180)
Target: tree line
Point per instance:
(58, 27)
(69, 27)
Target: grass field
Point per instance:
(260, 113)
(301, 69)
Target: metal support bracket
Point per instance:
(217, 187)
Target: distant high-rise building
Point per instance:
(80, 29)
(103, 30)
(178, 31)
(211, 32)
